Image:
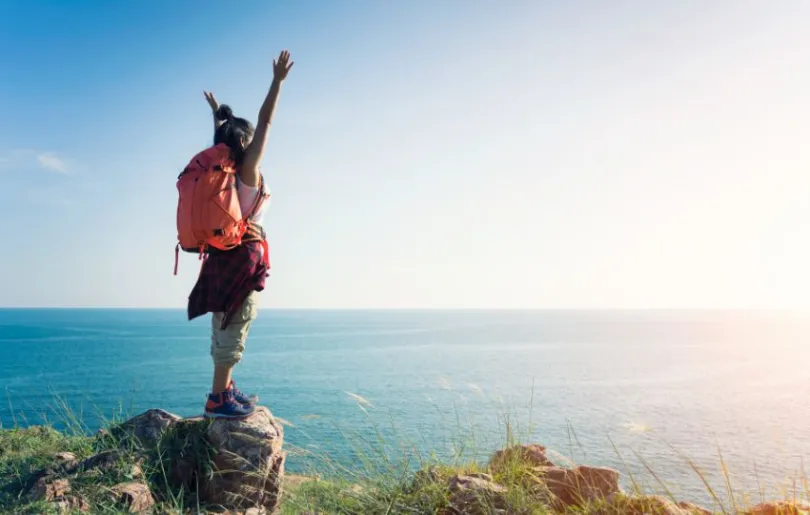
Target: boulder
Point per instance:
(70, 504)
(62, 457)
(102, 461)
(49, 483)
(580, 485)
(49, 488)
(134, 495)
(531, 455)
(248, 462)
(147, 428)
(476, 494)
(237, 464)
(647, 505)
(780, 508)
(693, 509)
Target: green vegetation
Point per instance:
(386, 479)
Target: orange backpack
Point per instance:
(208, 211)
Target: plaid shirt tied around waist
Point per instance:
(227, 278)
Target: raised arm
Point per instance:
(212, 101)
(249, 172)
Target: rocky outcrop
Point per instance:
(249, 463)
(596, 490)
(476, 494)
(233, 465)
(780, 508)
(135, 496)
(57, 493)
(593, 489)
(531, 455)
(70, 504)
(579, 486)
(650, 505)
(49, 489)
(561, 487)
(64, 457)
(236, 464)
(146, 429)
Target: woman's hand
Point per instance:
(211, 101)
(281, 66)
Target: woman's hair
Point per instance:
(235, 132)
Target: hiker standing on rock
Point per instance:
(222, 201)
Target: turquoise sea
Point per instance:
(656, 386)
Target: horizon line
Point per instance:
(548, 309)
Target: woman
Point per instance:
(229, 280)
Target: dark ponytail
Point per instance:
(224, 113)
(234, 132)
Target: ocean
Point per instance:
(645, 392)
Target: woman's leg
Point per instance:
(222, 377)
(227, 346)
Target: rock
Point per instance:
(49, 488)
(780, 508)
(424, 477)
(101, 461)
(236, 464)
(580, 485)
(531, 455)
(136, 496)
(63, 457)
(560, 484)
(478, 482)
(147, 428)
(650, 505)
(104, 461)
(184, 472)
(693, 509)
(597, 482)
(248, 462)
(476, 495)
(647, 505)
(135, 471)
(70, 504)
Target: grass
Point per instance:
(386, 476)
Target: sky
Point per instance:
(453, 154)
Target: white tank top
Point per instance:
(247, 199)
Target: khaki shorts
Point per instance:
(227, 345)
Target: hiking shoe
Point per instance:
(243, 397)
(224, 405)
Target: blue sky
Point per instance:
(584, 154)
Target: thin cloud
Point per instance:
(25, 158)
(53, 163)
